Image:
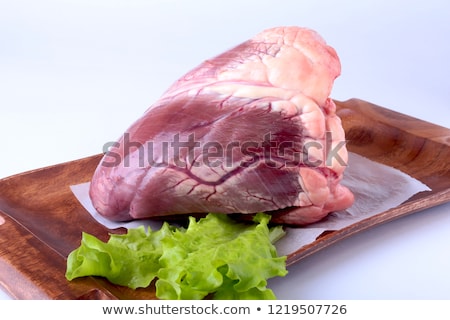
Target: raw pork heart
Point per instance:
(250, 130)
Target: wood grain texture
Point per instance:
(41, 221)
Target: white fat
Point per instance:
(337, 158)
(288, 108)
(302, 200)
(249, 91)
(289, 102)
(314, 151)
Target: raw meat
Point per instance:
(250, 130)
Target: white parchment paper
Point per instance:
(376, 187)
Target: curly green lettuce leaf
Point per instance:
(130, 260)
(213, 255)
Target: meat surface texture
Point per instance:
(251, 130)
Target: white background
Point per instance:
(75, 74)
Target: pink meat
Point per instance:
(250, 130)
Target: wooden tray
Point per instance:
(41, 221)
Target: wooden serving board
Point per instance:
(41, 221)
